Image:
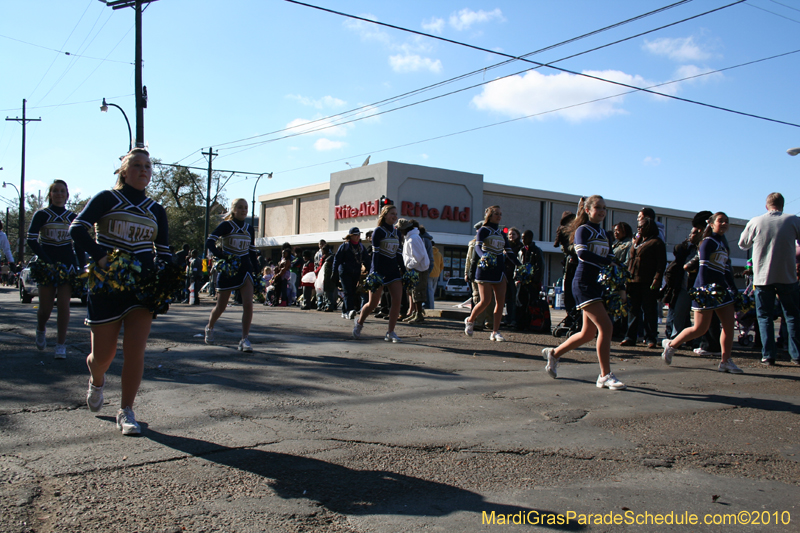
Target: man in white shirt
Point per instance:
(772, 236)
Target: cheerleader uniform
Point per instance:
(490, 239)
(593, 248)
(48, 237)
(386, 261)
(127, 220)
(237, 239)
(714, 268)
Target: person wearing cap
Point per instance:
(349, 259)
(415, 257)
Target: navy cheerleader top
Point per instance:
(386, 249)
(48, 236)
(124, 219)
(593, 247)
(715, 265)
(233, 237)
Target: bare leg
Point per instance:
(374, 301)
(702, 321)
(247, 307)
(104, 348)
(64, 293)
(396, 291)
(500, 302)
(725, 315)
(484, 291)
(586, 334)
(219, 308)
(47, 295)
(134, 341)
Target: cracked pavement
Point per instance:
(317, 432)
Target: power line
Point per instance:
(784, 5)
(773, 13)
(65, 52)
(71, 103)
(478, 71)
(560, 69)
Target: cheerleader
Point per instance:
(593, 247)
(124, 219)
(492, 244)
(234, 238)
(714, 268)
(387, 262)
(48, 237)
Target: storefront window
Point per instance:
(454, 263)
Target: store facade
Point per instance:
(448, 203)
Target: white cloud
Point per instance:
(424, 156)
(535, 93)
(465, 18)
(413, 63)
(651, 161)
(33, 185)
(324, 145)
(434, 25)
(681, 49)
(687, 71)
(318, 127)
(367, 31)
(368, 111)
(328, 102)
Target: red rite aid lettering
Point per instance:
(366, 209)
(414, 209)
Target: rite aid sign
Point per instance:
(407, 209)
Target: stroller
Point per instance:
(570, 325)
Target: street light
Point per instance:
(790, 151)
(253, 205)
(104, 109)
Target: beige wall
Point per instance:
(313, 213)
(279, 217)
(521, 213)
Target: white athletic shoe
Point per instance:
(244, 346)
(730, 366)
(61, 351)
(496, 337)
(552, 362)
(669, 351)
(126, 422)
(609, 381)
(391, 336)
(94, 396)
(468, 329)
(357, 328)
(209, 335)
(41, 340)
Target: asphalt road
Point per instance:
(317, 432)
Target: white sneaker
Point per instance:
(352, 314)
(468, 329)
(496, 337)
(209, 335)
(244, 345)
(344, 315)
(730, 366)
(392, 336)
(357, 329)
(609, 381)
(552, 362)
(94, 396)
(41, 340)
(669, 351)
(61, 351)
(126, 421)
(701, 351)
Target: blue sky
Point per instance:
(219, 72)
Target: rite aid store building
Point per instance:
(448, 203)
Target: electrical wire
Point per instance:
(71, 54)
(784, 5)
(773, 13)
(70, 103)
(479, 71)
(560, 69)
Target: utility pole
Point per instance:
(141, 91)
(21, 243)
(210, 155)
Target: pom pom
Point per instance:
(122, 273)
(488, 261)
(614, 278)
(373, 282)
(525, 273)
(410, 280)
(228, 266)
(161, 287)
(259, 289)
(710, 295)
(743, 303)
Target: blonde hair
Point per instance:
(126, 161)
(229, 214)
(384, 212)
(489, 212)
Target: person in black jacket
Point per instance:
(348, 261)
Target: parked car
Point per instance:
(28, 288)
(456, 287)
